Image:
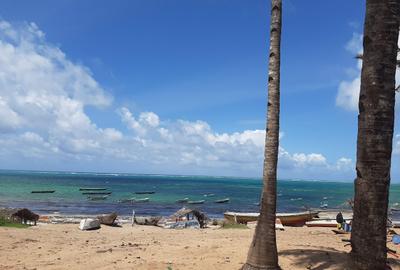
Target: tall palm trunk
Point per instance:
(263, 252)
(375, 134)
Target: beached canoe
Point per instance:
(222, 200)
(196, 202)
(43, 191)
(395, 224)
(145, 192)
(241, 217)
(287, 219)
(184, 200)
(149, 220)
(322, 223)
(97, 193)
(107, 219)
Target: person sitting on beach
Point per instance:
(340, 220)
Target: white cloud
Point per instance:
(344, 164)
(349, 90)
(43, 96)
(348, 94)
(396, 144)
(355, 44)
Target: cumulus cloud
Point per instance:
(349, 90)
(43, 96)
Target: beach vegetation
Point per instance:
(4, 222)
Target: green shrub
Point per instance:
(9, 223)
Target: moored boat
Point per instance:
(97, 198)
(130, 200)
(141, 200)
(97, 193)
(222, 200)
(145, 192)
(184, 200)
(43, 191)
(91, 189)
(287, 219)
(196, 202)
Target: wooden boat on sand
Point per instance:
(287, 219)
(322, 223)
(147, 220)
(107, 219)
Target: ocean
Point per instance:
(244, 193)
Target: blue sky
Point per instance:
(156, 84)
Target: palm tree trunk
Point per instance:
(375, 134)
(263, 251)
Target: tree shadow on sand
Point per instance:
(320, 258)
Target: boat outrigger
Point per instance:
(145, 192)
(43, 191)
(287, 219)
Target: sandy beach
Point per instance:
(64, 246)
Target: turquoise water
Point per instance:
(244, 193)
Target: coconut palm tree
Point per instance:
(263, 252)
(375, 134)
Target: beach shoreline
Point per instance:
(64, 246)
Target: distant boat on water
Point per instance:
(131, 200)
(97, 198)
(92, 189)
(184, 200)
(209, 195)
(145, 192)
(134, 200)
(43, 191)
(196, 202)
(222, 200)
(141, 200)
(97, 193)
(323, 205)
